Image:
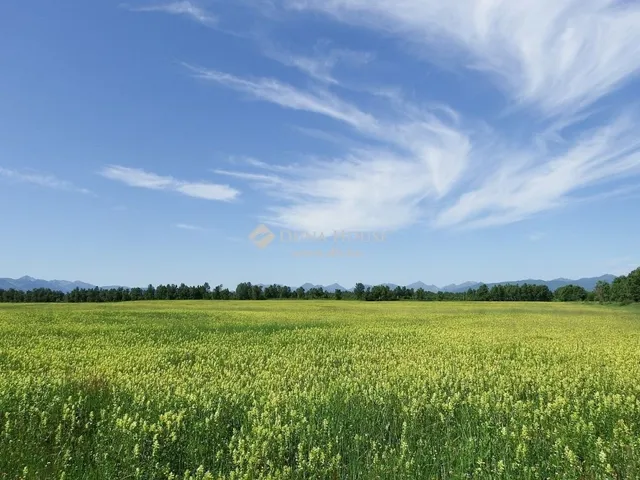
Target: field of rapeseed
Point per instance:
(327, 390)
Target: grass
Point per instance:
(306, 390)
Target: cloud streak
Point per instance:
(42, 180)
(321, 101)
(553, 55)
(410, 163)
(420, 155)
(321, 64)
(135, 177)
(366, 190)
(188, 226)
(184, 8)
(516, 191)
(426, 166)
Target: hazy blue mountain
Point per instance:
(368, 285)
(66, 285)
(333, 287)
(23, 283)
(587, 283)
(424, 286)
(462, 287)
(29, 283)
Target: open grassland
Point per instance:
(319, 390)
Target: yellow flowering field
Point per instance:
(319, 390)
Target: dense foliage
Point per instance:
(324, 390)
(624, 289)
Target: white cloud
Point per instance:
(425, 159)
(42, 180)
(520, 189)
(287, 96)
(552, 54)
(374, 189)
(188, 226)
(421, 156)
(413, 162)
(253, 177)
(321, 64)
(186, 8)
(207, 191)
(252, 162)
(135, 177)
(369, 191)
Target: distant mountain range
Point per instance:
(30, 283)
(327, 288)
(587, 283)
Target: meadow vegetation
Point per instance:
(319, 390)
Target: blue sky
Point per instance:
(142, 142)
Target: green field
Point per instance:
(319, 390)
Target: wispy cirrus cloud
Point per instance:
(185, 8)
(259, 178)
(255, 163)
(188, 226)
(427, 164)
(135, 177)
(366, 190)
(271, 90)
(321, 63)
(41, 179)
(551, 55)
(517, 190)
(413, 162)
(418, 156)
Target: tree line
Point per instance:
(624, 290)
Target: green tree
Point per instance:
(257, 293)
(633, 280)
(272, 291)
(150, 293)
(482, 293)
(602, 292)
(136, 294)
(244, 291)
(620, 291)
(217, 293)
(571, 293)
